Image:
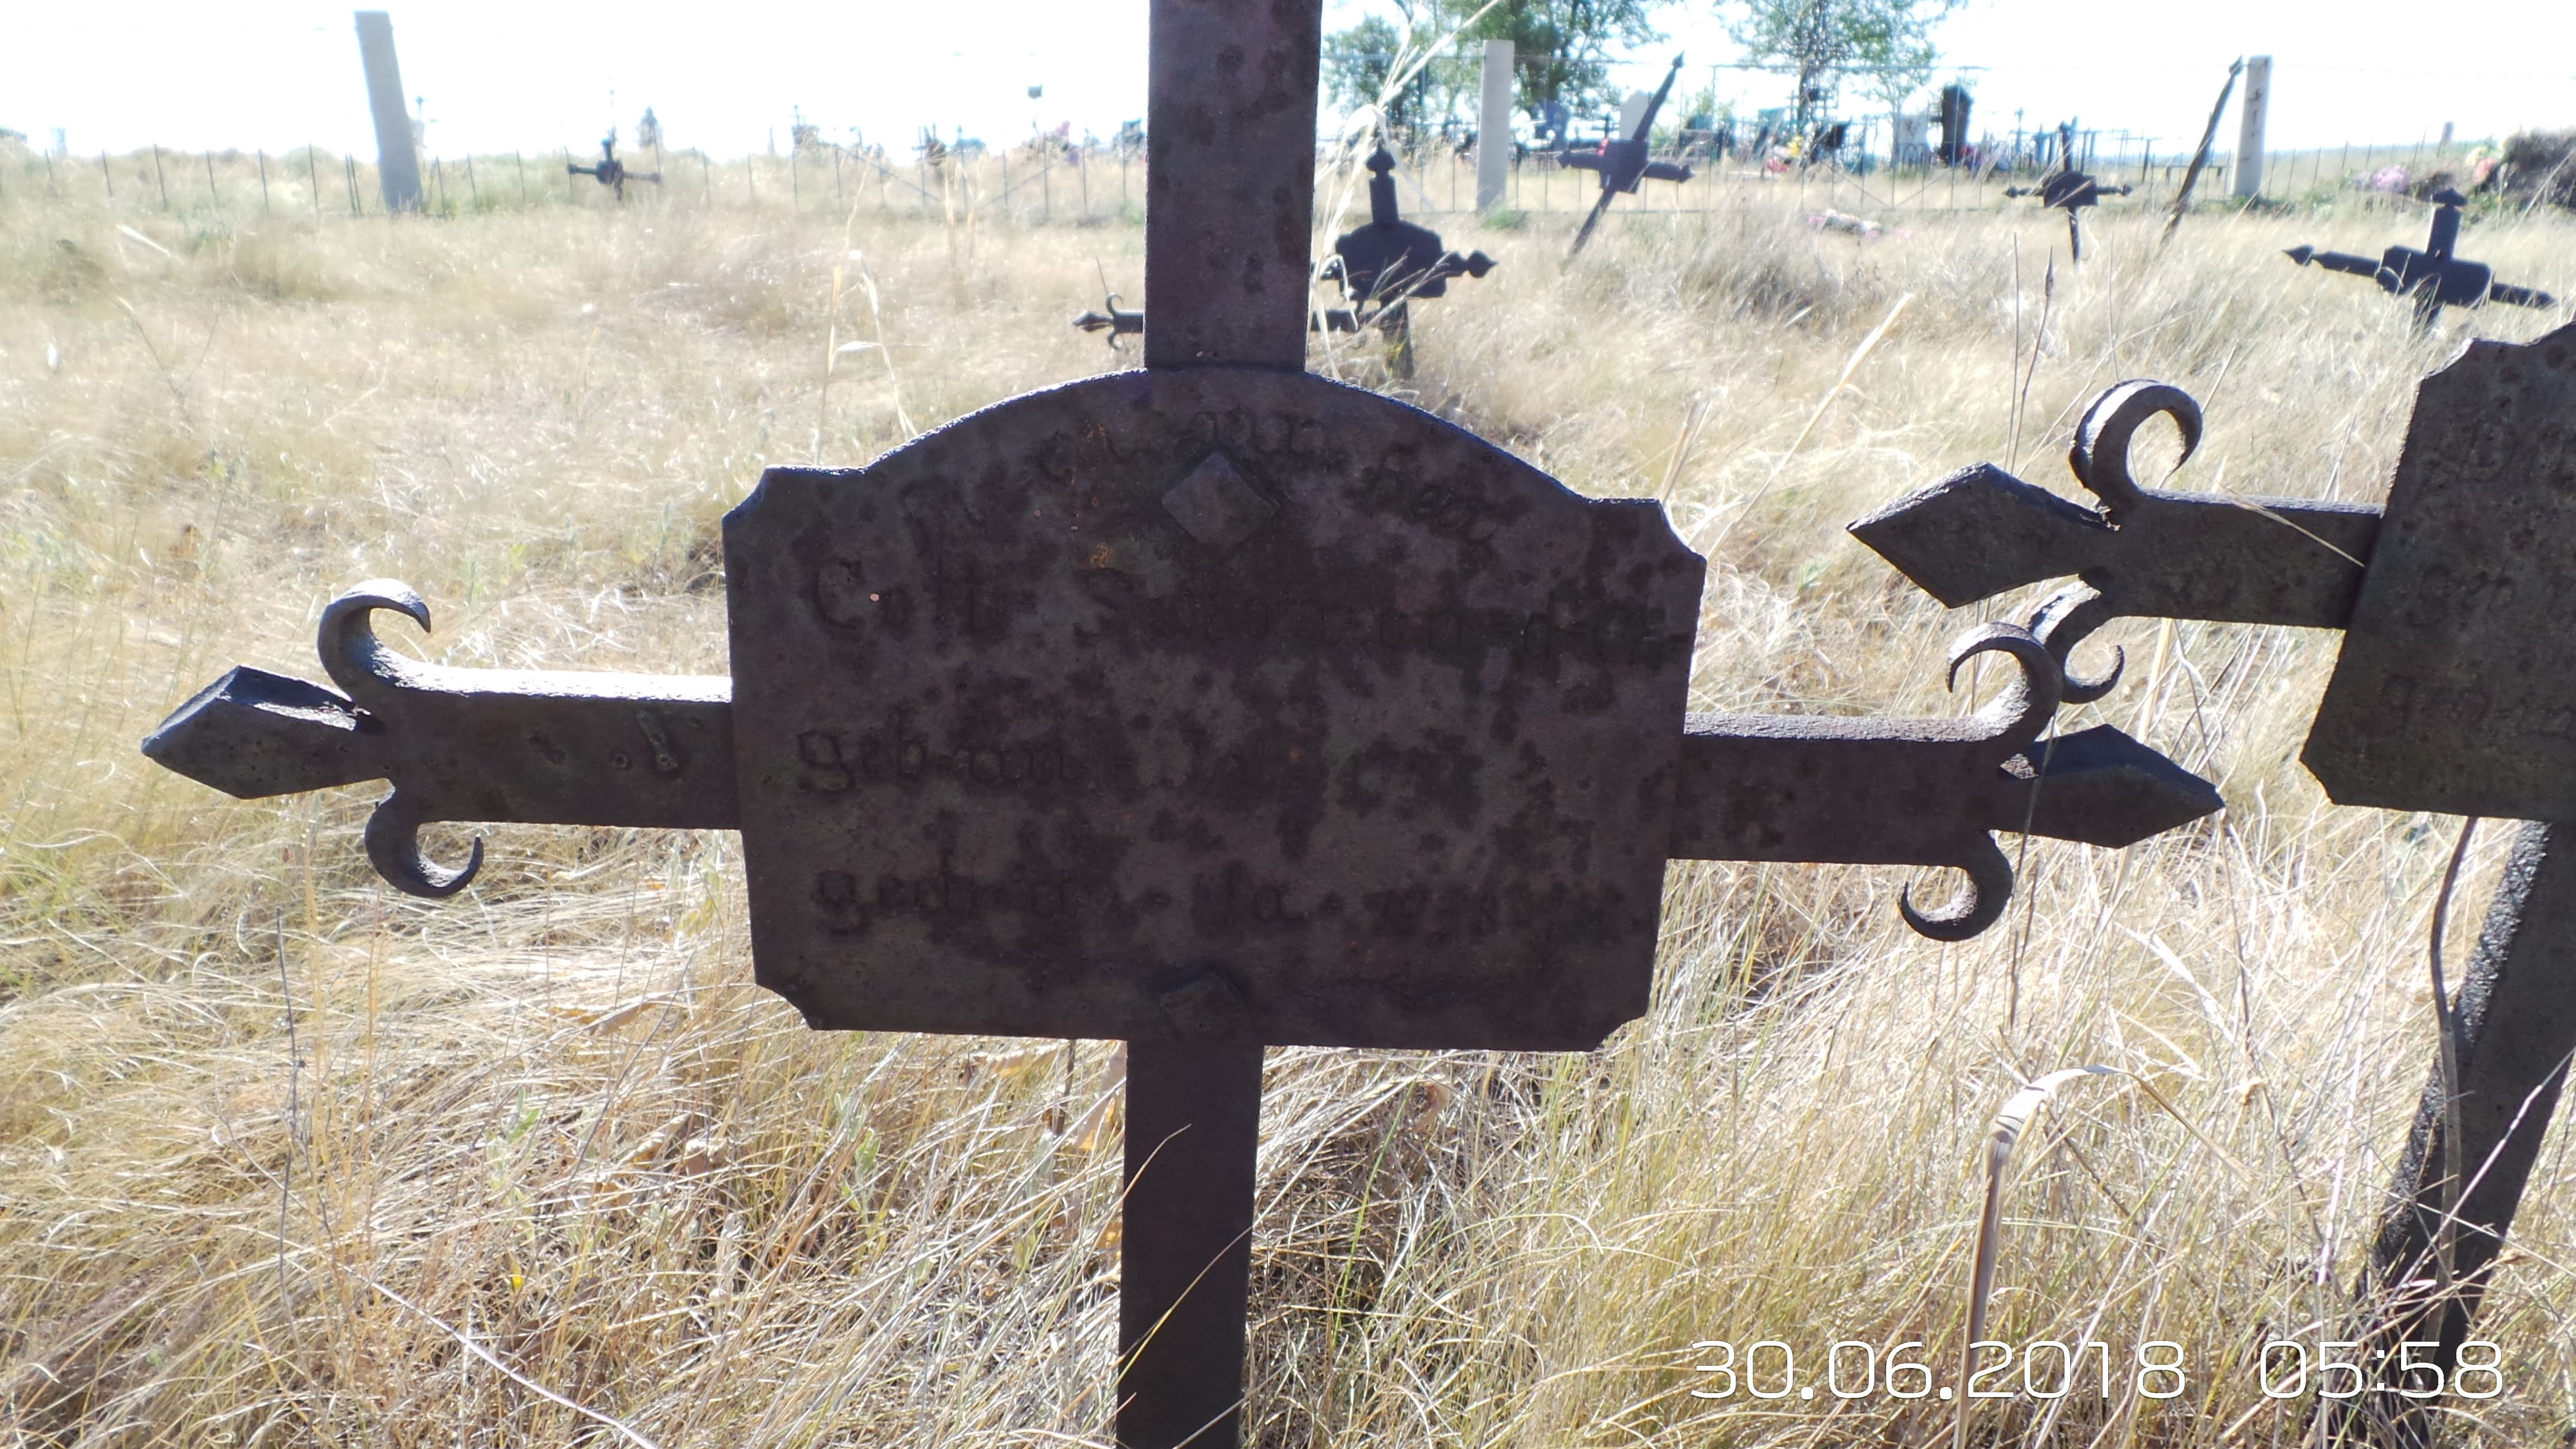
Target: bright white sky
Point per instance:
(538, 75)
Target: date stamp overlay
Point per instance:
(2284, 1368)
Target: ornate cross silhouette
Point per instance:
(611, 172)
(2436, 277)
(1209, 706)
(1622, 162)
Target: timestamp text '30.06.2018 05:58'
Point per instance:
(2050, 1369)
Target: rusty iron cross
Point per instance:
(2455, 692)
(1388, 262)
(2069, 190)
(611, 172)
(2436, 276)
(1381, 266)
(1210, 706)
(1624, 161)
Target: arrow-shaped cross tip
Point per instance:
(1982, 531)
(2104, 788)
(252, 734)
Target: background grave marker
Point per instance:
(1494, 127)
(2436, 277)
(610, 172)
(2069, 190)
(1622, 161)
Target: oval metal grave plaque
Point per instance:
(1211, 702)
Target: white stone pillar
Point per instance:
(2249, 125)
(1494, 128)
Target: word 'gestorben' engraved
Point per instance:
(1224, 904)
(846, 906)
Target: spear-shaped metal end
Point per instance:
(2300, 254)
(2100, 787)
(1115, 322)
(252, 734)
(1981, 531)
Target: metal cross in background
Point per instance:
(1622, 161)
(2069, 190)
(1381, 266)
(1386, 264)
(1210, 706)
(1113, 319)
(2455, 692)
(2436, 277)
(610, 171)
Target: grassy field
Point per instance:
(286, 1158)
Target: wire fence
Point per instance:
(1043, 186)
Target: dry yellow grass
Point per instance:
(274, 1141)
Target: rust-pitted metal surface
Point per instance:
(541, 747)
(2456, 690)
(2145, 552)
(1887, 791)
(1206, 707)
(1213, 701)
(650, 750)
(1230, 181)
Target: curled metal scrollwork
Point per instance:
(2099, 459)
(373, 677)
(2011, 723)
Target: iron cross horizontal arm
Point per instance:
(2455, 692)
(1208, 706)
(1120, 322)
(586, 748)
(1622, 162)
(2436, 277)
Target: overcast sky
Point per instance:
(536, 74)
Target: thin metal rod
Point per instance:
(1185, 1248)
(1230, 181)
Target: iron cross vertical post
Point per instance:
(1229, 222)
(2455, 693)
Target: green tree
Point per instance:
(1562, 50)
(1358, 62)
(1885, 44)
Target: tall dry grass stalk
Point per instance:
(247, 1095)
(2011, 1120)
